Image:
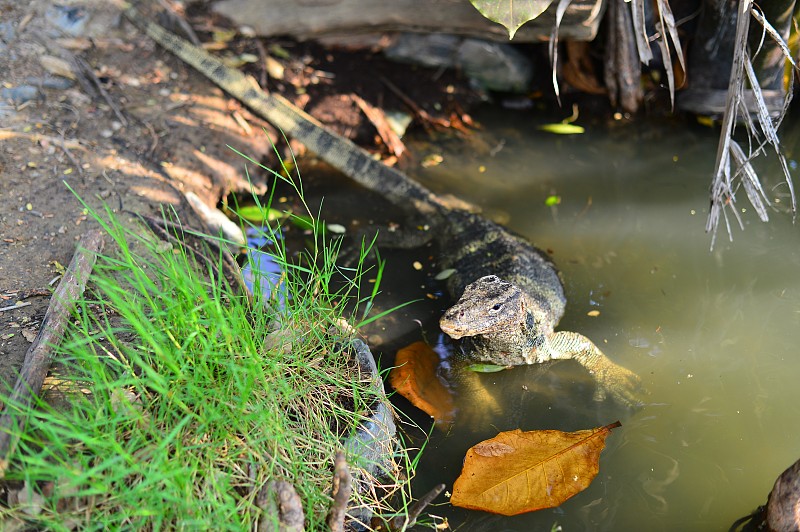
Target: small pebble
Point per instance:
(56, 83)
(70, 20)
(106, 133)
(21, 94)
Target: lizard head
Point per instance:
(487, 305)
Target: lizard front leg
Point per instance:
(621, 383)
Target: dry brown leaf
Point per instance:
(29, 334)
(414, 377)
(517, 472)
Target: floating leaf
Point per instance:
(338, 229)
(511, 13)
(562, 129)
(258, 214)
(517, 472)
(552, 201)
(414, 377)
(445, 274)
(486, 368)
(705, 121)
(433, 159)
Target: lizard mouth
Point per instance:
(455, 332)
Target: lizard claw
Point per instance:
(620, 383)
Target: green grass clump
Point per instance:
(184, 397)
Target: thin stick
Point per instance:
(421, 113)
(12, 307)
(64, 144)
(40, 353)
(406, 521)
(88, 72)
(378, 119)
(178, 19)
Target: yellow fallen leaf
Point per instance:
(223, 35)
(433, 159)
(414, 377)
(517, 472)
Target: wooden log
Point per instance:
(307, 20)
(40, 353)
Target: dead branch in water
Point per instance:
(733, 166)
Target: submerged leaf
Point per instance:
(552, 201)
(414, 377)
(445, 274)
(486, 368)
(511, 13)
(517, 472)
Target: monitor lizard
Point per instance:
(509, 294)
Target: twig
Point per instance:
(38, 137)
(180, 22)
(68, 153)
(262, 54)
(418, 111)
(21, 295)
(342, 488)
(401, 522)
(378, 119)
(88, 72)
(12, 307)
(40, 353)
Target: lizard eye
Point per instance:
(497, 306)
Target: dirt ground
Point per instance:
(89, 102)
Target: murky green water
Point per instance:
(713, 334)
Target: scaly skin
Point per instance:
(501, 324)
(531, 297)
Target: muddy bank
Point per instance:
(92, 104)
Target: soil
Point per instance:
(130, 126)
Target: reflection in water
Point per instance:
(713, 334)
(269, 271)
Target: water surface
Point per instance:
(714, 334)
